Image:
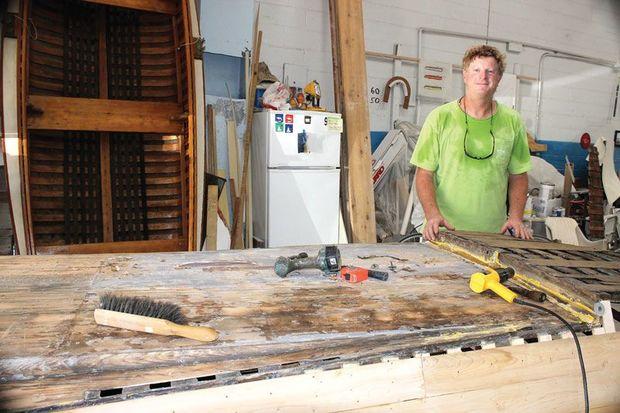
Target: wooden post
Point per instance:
(350, 64)
(236, 241)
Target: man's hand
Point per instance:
(426, 192)
(518, 229)
(432, 226)
(517, 195)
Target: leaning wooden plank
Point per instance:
(81, 114)
(158, 6)
(352, 61)
(118, 247)
(233, 156)
(223, 200)
(211, 236)
(249, 211)
(239, 203)
(534, 377)
(573, 263)
(211, 153)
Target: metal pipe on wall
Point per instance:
(548, 51)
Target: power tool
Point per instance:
(493, 281)
(358, 274)
(327, 260)
(480, 282)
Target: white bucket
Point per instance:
(546, 191)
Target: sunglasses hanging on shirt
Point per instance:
(475, 147)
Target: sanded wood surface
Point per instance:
(53, 354)
(63, 113)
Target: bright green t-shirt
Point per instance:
(471, 193)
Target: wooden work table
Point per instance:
(52, 353)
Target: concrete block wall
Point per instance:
(577, 97)
(297, 43)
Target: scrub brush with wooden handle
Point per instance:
(146, 315)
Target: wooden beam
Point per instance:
(158, 6)
(360, 204)
(187, 46)
(181, 138)
(555, 246)
(104, 138)
(338, 99)
(106, 188)
(119, 247)
(574, 263)
(80, 114)
(233, 156)
(22, 82)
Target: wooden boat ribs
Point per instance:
(108, 133)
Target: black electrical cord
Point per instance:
(415, 235)
(572, 331)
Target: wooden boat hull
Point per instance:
(104, 126)
(421, 341)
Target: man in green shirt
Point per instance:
(472, 155)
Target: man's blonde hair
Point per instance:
(484, 50)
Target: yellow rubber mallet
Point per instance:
(480, 282)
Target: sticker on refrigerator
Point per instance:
(289, 118)
(307, 120)
(334, 124)
(288, 128)
(279, 127)
(279, 117)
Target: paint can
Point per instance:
(546, 191)
(558, 212)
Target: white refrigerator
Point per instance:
(296, 177)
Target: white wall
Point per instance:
(577, 97)
(226, 25)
